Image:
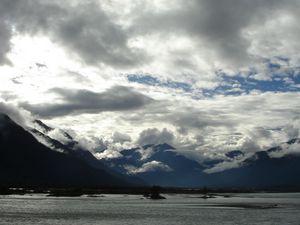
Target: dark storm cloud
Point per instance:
(219, 24)
(84, 29)
(91, 33)
(117, 98)
(5, 35)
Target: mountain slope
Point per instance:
(72, 148)
(261, 170)
(159, 165)
(25, 161)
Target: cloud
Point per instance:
(226, 165)
(5, 35)
(219, 28)
(59, 135)
(21, 16)
(149, 167)
(95, 37)
(146, 153)
(84, 29)
(188, 41)
(117, 98)
(286, 149)
(292, 130)
(190, 118)
(110, 153)
(207, 128)
(155, 136)
(152, 81)
(8, 95)
(120, 137)
(18, 115)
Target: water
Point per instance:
(240, 209)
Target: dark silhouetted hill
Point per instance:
(26, 162)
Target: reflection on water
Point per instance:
(248, 209)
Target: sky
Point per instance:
(205, 76)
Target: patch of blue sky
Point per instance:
(281, 67)
(152, 81)
(282, 79)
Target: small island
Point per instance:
(154, 194)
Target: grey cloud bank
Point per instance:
(218, 26)
(155, 136)
(92, 34)
(82, 28)
(117, 98)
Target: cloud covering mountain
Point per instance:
(28, 163)
(277, 167)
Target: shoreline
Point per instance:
(74, 192)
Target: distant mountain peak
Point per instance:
(158, 147)
(162, 146)
(165, 146)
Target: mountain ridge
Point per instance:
(257, 170)
(26, 162)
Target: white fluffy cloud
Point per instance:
(155, 136)
(149, 167)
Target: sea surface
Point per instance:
(238, 209)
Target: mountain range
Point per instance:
(162, 165)
(25, 161)
(30, 157)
